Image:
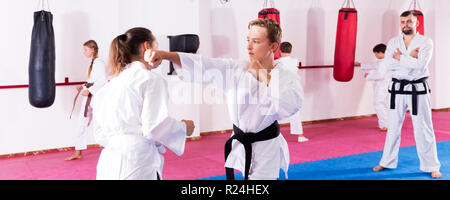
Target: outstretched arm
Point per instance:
(216, 72)
(155, 57)
(155, 119)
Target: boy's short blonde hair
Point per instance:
(273, 29)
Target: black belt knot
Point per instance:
(247, 139)
(413, 91)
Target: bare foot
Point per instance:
(76, 155)
(378, 168)
(383, 129)
(436, 174)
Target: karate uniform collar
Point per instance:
(275, 67)
(135, 64)
(410, 44)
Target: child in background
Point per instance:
(291, 64)
(97, 77)
(381, 79)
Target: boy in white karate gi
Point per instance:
(407, 57)
(291, 64)
(259, 92)
(381, 79)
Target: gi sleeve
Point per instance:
(98, 77)
(369, 66)
(424, 58)
(156, 122)
(379, 73)
(101, 137)
(391, 63)
(215, 72)
(282, 98)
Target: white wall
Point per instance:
(441, 69)
(310, 25)
(24, 128)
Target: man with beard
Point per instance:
(407, 57)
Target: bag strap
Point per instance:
(348, 4)
(41, 5)
(267, 2)
(414, 5)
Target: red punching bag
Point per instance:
(344, 54)
(415, 7)
(271, 13)
(421, 28)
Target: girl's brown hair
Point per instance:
(126, 47)
(93, 45)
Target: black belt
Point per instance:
(413, 92)
(247, 139)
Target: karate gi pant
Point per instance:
(380, 103)
(296, 124)
(82, 127)
(423, 133)
(130, 157)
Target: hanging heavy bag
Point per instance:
(271, 13)
(41, 67)
(344, 55)
(420, 28)
(415, 7)
(187, 43)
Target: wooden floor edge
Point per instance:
(287, 124)
(317, 121)
(34, 153)
(441, 110)
(39, 152)
(194, 138)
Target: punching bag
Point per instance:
(271, 13)
(415, 7)
(187, 43)
(420, 19)
(41, 67)
(344, 54)
(274, 14)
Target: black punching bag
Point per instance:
(187, 43)
(41, 67)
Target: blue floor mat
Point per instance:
(359, 167)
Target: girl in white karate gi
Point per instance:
(291, 64)
(381, 78)
(97, 77)
(258, 93)
(131, 117)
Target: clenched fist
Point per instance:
(257, 70)
(397, 54)
(415, 53)
(152, 57)
(189, 127)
